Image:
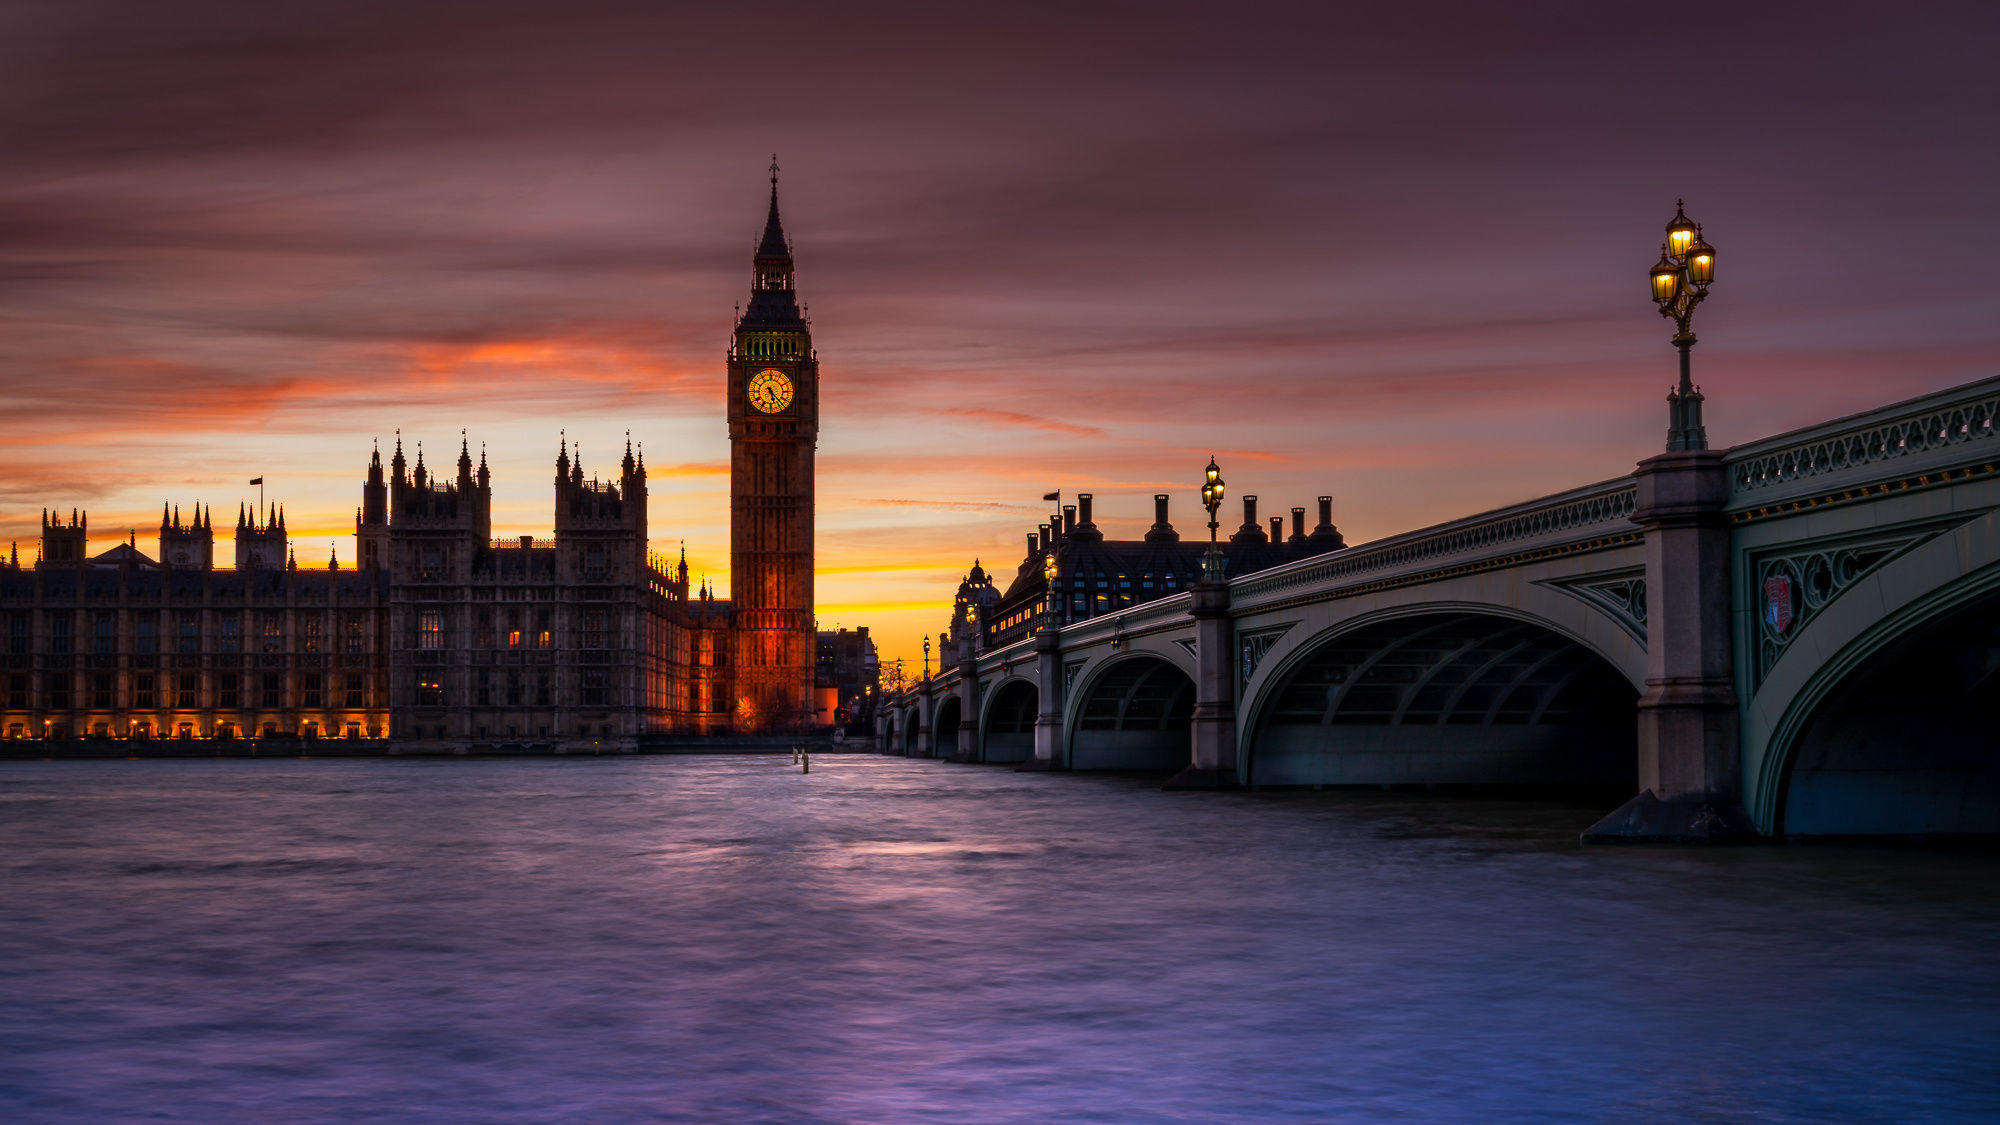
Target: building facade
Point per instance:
(442, 635)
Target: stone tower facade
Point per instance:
(773, 429)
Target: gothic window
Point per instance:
(101, 686)
(314, 626)
(542, 689)
(273, 632)
(144, 642)
(430, 629)
(274, 689)
(104, 635)
(483, 688)
(17, 691)
(190, 632)
(593, 561)
(544, 636)
(59, 634)
(315, 689)
(593, 629)
(593, 689)
(482, 631)
(430, 690)
(356, 638)
(354, 689)
(142, 691)
(431, 562)
(17, 634)
(513, 688)
(188, 691)
(228, 690)
(231, 629)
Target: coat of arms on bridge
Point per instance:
(1778, 603)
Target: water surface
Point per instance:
(725, 939)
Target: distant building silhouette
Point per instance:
(1096, 576)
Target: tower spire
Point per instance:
(773, 244)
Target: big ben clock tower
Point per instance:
(773, 428)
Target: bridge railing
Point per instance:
(1579, 513)
(1947, 430)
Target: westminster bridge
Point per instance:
(1796, 636)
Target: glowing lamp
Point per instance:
(1666, 278)
(1680, 232)
(1700, 261)
(1049, 568)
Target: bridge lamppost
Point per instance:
(927, 656)
(1680, 280)
(1051, 612)
(1211, 498)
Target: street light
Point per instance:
(1211, 498)
(1680, 279)
(1051, 611)
(927, 656)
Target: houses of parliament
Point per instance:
(438, 633)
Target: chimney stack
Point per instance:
(1298, 526)
(1249, 532)
(1069, 518)
(1162, 530)
(1083, 510)
(1326, 537)
(1034, 548)
(1277, 529)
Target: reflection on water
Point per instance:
(726, 939)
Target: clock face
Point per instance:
(770, 391)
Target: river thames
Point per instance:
(726, 939)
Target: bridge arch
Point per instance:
(1132, 712)
(944, 727)
(1444, 694)
(908, 724)
(1877, 719)
(1007, 728)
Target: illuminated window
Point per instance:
(513, 638)
(356, 638)
(430, 691)
(430, 629)
(313, 635)
(273, 632)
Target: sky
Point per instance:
(1394, 253)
